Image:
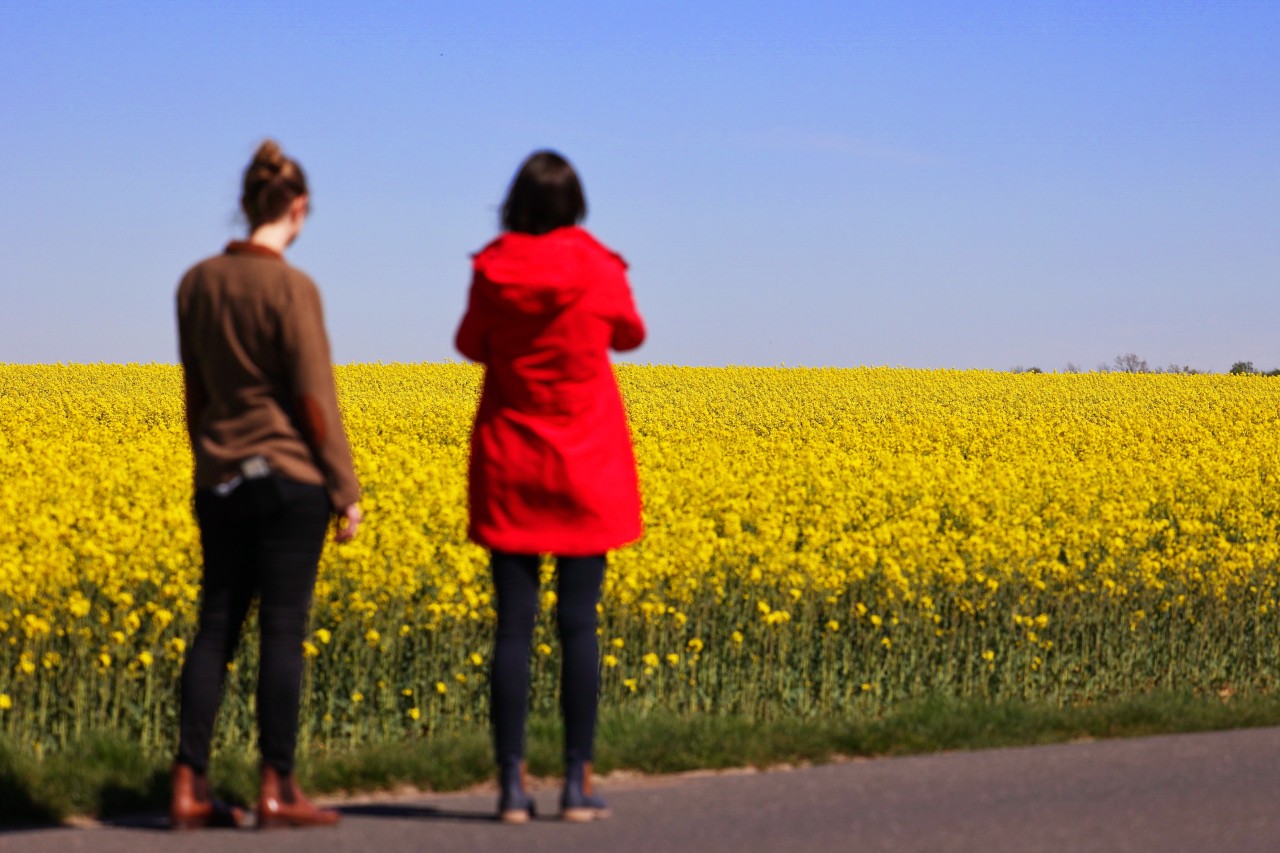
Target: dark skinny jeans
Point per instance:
(578, 580)
(263, 540)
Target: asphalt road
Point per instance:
(1194, 793)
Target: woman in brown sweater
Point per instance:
(272, 464)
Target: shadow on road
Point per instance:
(159, 821)
(416, 813)
(11, 828)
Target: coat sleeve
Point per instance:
(628, 328)
(309, 368)
(472, 331)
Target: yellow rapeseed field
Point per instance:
(818, 542)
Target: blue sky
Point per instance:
(929, 184)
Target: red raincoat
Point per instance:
(552, 469)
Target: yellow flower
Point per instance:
(414, 714)
(357, 697)
(673, 659)
(5, 702)
(309, 649)
(442, 688)
(1028, 517)
(609, 661)
(146, 659)
(650, 659)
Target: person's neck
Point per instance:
(274, 235)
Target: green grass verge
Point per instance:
(104, 775)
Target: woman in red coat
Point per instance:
(552, 470)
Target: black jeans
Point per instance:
(578, 580)
(263, 540)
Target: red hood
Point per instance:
(539, 274)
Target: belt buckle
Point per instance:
(255, 468)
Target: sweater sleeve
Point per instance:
(628, 328)
(195, 395)
(470, 338)
(307, 362)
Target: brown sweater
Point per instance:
(259, 380)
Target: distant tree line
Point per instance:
(1133, 363)
(1246, 368)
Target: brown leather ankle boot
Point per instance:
(192, 806)
(282, 803)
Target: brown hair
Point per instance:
(545, 194)
(271, 182)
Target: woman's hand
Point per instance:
(348, 522)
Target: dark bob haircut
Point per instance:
(545, 195)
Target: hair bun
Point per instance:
(271, 182)
(269, 158)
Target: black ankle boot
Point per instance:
(514, 804)
(580, 803)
